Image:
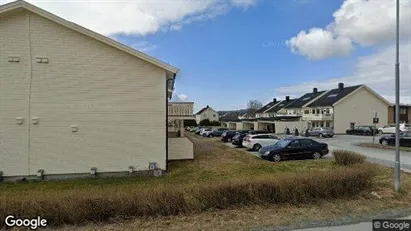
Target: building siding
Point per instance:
(209, 113)
(359, 108)
(117, 101)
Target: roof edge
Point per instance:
(104, 39)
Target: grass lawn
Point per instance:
(216, 163)
(371, 145)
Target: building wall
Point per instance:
(209, 113)
(403, 117)
(281, 125)
(180, 149)
(360, 109)
(116, 100)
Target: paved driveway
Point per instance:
(381, 156)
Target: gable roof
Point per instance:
(280, 105)
(333, 96)
(171, 71)
(267, 106)
(202, 110)
(303, 100)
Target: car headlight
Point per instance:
(267, 152)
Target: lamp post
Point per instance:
(397, 103)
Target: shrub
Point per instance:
(207, 122)
(77, 206)
(344, 157)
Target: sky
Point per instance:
(233, 51)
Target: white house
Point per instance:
(73, 101)
(206, 113)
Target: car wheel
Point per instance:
(321, 135)
(384, 142)
(316, 156)
(256, 147)
(276, 158)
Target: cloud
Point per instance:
(182, 97)
(143, 46)
(363, 22)
(137, 17)
(376, 71)
(319, 44)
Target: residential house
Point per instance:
(345, 107)
(206, 113)
(74, 102)
(295, 108)
(405, 114)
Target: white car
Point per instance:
(256, 142)
(390, 128)
(204, 130)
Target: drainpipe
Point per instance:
(167, 120)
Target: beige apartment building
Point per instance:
(74, 102)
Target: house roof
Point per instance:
(202, 110)
(333, 96)
(303, 100)
(171, 71)
(280, 105)
(267, 106)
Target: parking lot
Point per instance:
(349, 142)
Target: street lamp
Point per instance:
(397, 103)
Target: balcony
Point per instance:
(318, 117)
(180, 109)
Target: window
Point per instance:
(318, 111)
(281, 105)
(332, 95)
(403, 111)
(294, 144)
(313, 111)
(352, 125)
(261, 137)
(214, 115)
(327, 111)
(306, 143)
(327, 124)
(307, 98)
(274, 137)
(306, 111)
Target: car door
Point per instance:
(314, 132)
(292, 150)
(263, 140)
(272, 140)
(405, 139)
(307, 148)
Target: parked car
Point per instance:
(227, 136)
(360, 130)
(256, 142)
(405, 139)
(201, 133)
(294, 148)
(198, 130)
(217, 132)
(390, 128)
(321, 132)
(238, 139)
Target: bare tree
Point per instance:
(253, 106)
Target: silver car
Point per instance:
(321, 132)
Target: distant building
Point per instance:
(207, 113)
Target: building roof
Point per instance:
(333, 96)
(267, 106)
(280, 105)
(202, 110)
(303, 100)
(172, 71)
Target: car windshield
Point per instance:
(283, 143)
